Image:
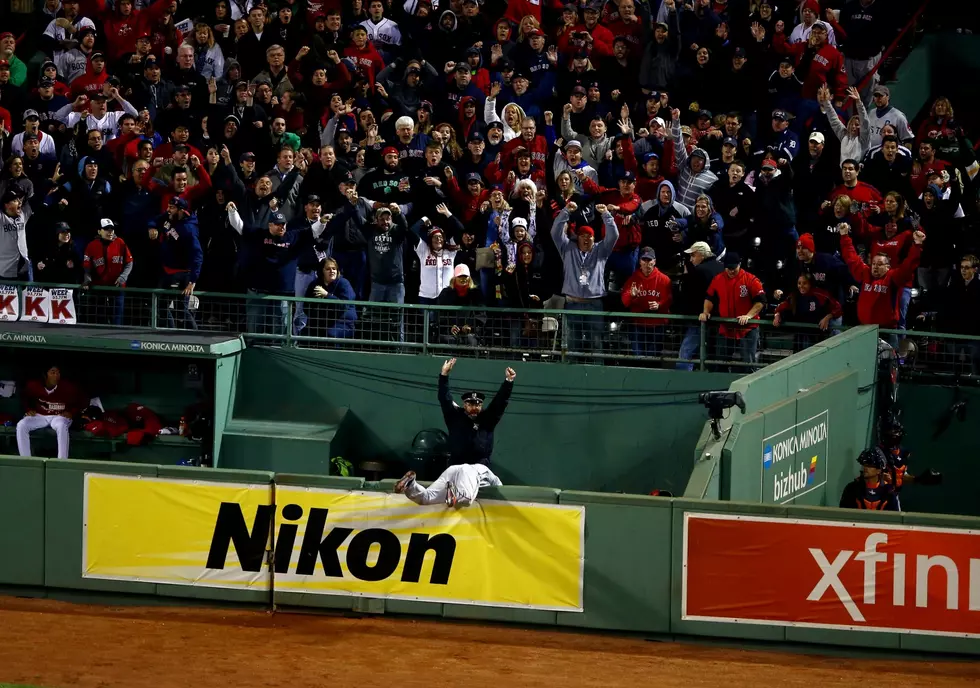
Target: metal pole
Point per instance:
(564, 338)
(154, 305)
(703, 347)
(289, 324)
(425, 332)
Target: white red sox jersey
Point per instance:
(59, 34)
(108, 124)
(71, 64)
(384, 33)
(437, 270)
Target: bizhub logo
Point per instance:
(767, 457)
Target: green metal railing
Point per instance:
(541, 334)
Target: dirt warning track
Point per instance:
(56, 645)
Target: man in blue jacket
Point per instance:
(181, 257)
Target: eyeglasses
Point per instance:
(967, 267)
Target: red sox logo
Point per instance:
(743, 291)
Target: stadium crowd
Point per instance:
(706, 157)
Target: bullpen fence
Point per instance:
(564, 334)
(658, 566)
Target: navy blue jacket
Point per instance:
(471, 439)
(180, 247)
(271, 261)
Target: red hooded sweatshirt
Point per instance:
(121, 32)
(602, 41)
(90, 82)
(827, 66)
(629, 229)
(895, 248)
(467, 202)
(539, 152)
(368, 60)
(465, 125)
(656, 287)
(878, 302)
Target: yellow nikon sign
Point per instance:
(332, 542)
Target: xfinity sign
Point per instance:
(794, 460)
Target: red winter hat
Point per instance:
(812, 5)
(389, 149)
(806, 241)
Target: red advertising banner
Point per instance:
(831, 574)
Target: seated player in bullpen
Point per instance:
(470, 445)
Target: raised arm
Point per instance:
(558, 234)
(495, 410)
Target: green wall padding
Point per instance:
(568, 426)
(627, 562)
(22, 519)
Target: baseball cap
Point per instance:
(627, 176)
(388, 150)
(505, 64)
(573, 144)
(729, 141)
(45, 82)
(463, 270)
(647, 157)
(579, 91)
(817, 136)
(781, 115)
(519, 74)
(770, 163)
(705, 113)
(150, 61)
(179, 202)
(30, 137)
(425, 105)
(31, 113)
(806, 242)
(662, 25)
(647, 253)
(106, 223)
(700, 247)
(248, 155)
(535, 32)
(787, 60)
(740, 52)
(313, 198)
(881, 90)
(97, 55)
(819, 25)
(381, 210)
(475, 136)
(474, 177)
(233, 118)
(660, 121)
(519, 222)
(183, 88)
(277, 219)
(182, 148)
(462, 67)
(686, 130)
(98, 95)
(60, 227)
(732, 259)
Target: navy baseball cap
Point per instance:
(732, 259)
(627, 176)
(729, 141)
(647, 253)
(277, 219)
(60, 227)
(476, 136)
(474, 177)
(179, 202)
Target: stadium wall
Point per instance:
(657, 566)
(599, 428)
(821, 398)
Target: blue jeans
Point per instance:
(266, 316)
(621, 265)
(646, 340)
(745, 349)
(690, 348)
(352, 265)
(301, 284)
(391, 293)
(903, 306)
(184, 317)
(587, 328)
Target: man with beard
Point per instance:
(387, 183)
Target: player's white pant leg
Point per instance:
(488, 478)
(435, 493)
(60, 424)
(25, 426)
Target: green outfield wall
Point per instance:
(806, 419)
(599, 428)
(648, 565)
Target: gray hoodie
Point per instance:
(13, 244)
(689, 184)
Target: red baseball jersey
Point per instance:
(735, 297)
(62, 398)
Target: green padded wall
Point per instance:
(22, 519)
(570, 426)
(627, 562)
